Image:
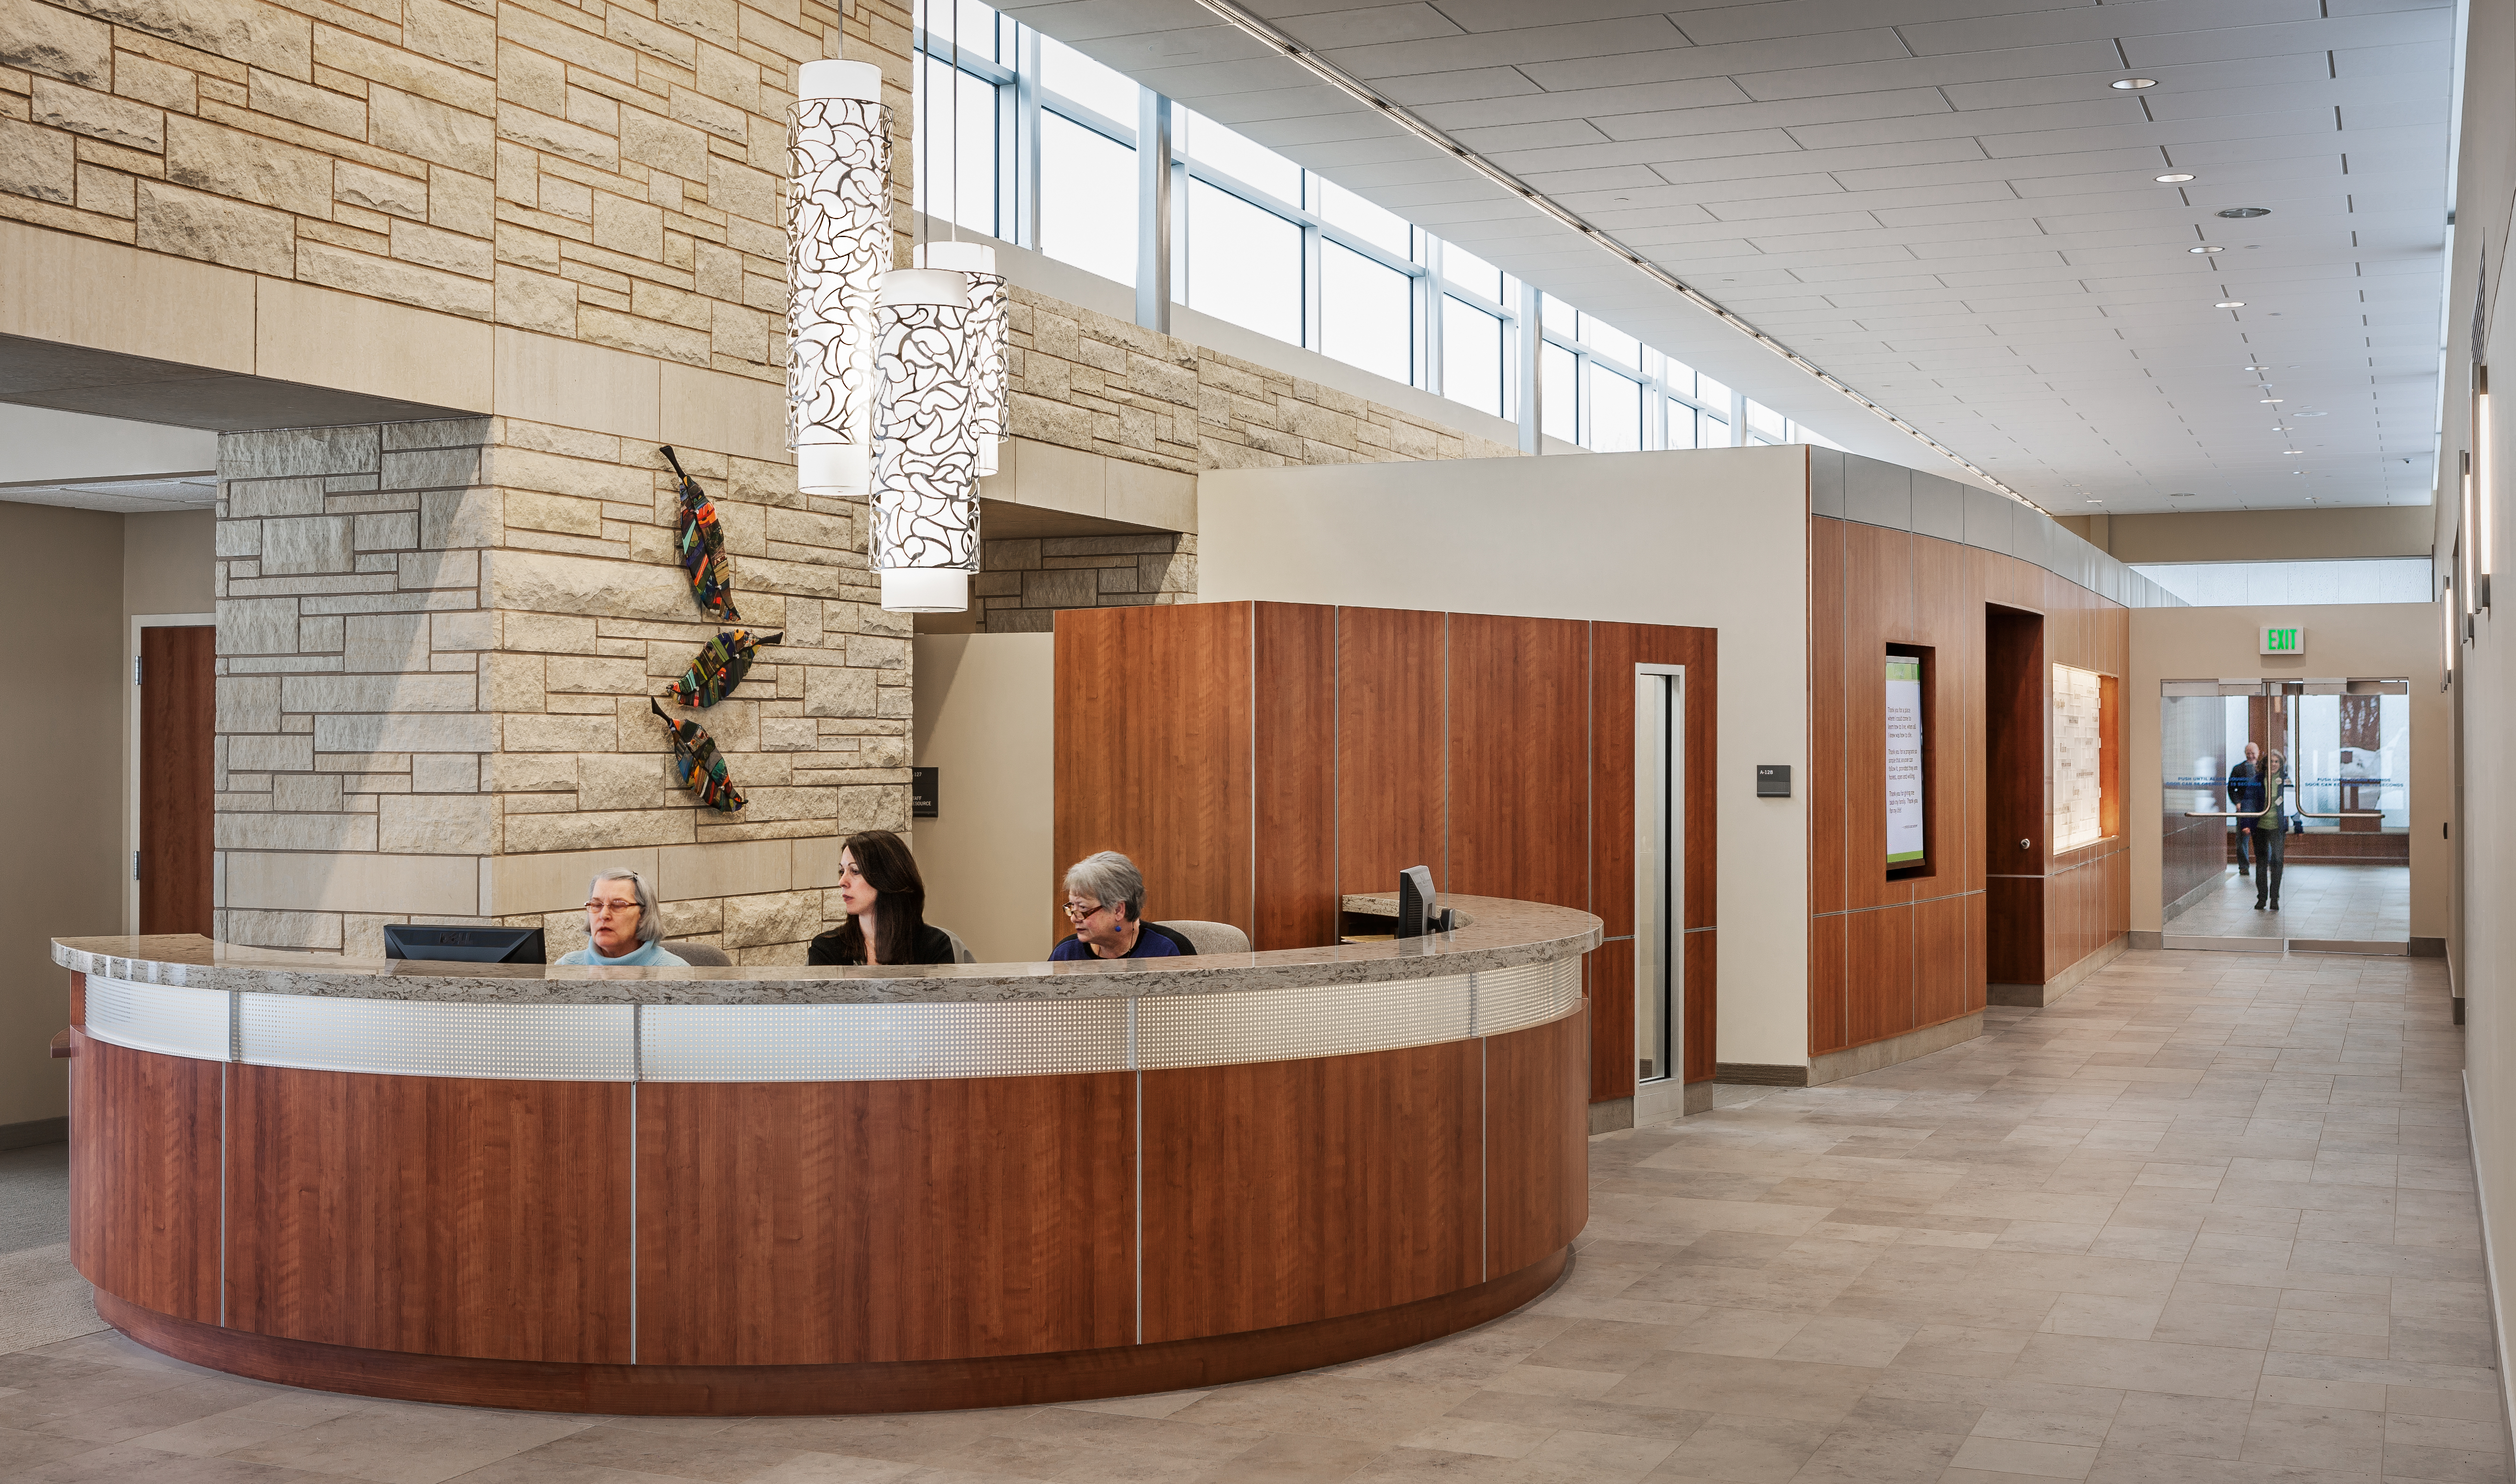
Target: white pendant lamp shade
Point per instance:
(926, 449)
(991, 322)
(839, 242)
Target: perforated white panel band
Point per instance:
(825, 1043)
(158, 1017)
(1287, 1025)
(880, 1042)
(1531, 995)
(543, 1042)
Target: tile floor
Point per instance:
(2210, 1218)
(2365, 903)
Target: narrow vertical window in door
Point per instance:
(176, 725)
(1660, 834)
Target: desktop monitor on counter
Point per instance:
(1416, 913)
(465, 945)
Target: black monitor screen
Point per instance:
(1415, 902)
(464, 945)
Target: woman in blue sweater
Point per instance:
(624, 923)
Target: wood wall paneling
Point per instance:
(177, 706)
(1295, 761)
(1520, 759)
(1823, 787)
(144, 1177)
(1978, 971)
(1536, 1142)
(1877, 608)
(1608, 980)
(1391, 736)
(1878, 974)
(1940, 962)
(1235, 1237)
(1951, 624)
(1830, 1018)
(1616, 649)
(445, 1215)
(2014, 929)
(838, 1223)
(1152, 742)
(1702, 1001)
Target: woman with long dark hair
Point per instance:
(885, 900)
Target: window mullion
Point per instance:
(1026, 124)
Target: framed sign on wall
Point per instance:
(1908, 842)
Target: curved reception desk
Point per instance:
(762, 1190)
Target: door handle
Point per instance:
(2027, 844)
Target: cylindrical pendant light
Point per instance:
(991, 325)
(839, 243)
(926, 451)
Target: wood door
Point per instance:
(176, 707)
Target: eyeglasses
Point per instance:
(1080, 912)
(607, 908)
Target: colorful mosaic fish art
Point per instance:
(702, 547)
(719, 667)
(697, 764)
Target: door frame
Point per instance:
(131, 755)
(1664, 1097)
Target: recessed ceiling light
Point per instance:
(2270, 402)
(2132, 84)
(2292, 451)
(2176, 178)
(2232, 304)
(2205, 249)
(2239, 213)
(2257, 368)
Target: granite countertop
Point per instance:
(1501, 934)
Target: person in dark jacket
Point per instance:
(1104, 904)
(2269, 830)
(885, 900)
(2244, 796)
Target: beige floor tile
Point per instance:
(2207, 1220)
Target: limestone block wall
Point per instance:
(1087, 380)
(607, 173)
(1091, 382)
(437, 641)
(1023, 583)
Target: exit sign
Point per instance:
(2284, 641)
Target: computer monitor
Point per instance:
(465, 945)
(1415, 902)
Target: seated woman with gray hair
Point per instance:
(624, 923)
(1105, 901)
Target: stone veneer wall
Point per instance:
(1091, 382)
(607, 173)
(435, 644)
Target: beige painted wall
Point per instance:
(2259, 535)
(986, 716)
(1715, 539)
(63, 874)
(2365, 641)
(169, 562)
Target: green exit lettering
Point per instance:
(2281, 641)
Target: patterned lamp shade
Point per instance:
(838, 235)
(925, 440)
(991, 322)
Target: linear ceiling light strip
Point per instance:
(1328, 72)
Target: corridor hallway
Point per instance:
(2208, 1219)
